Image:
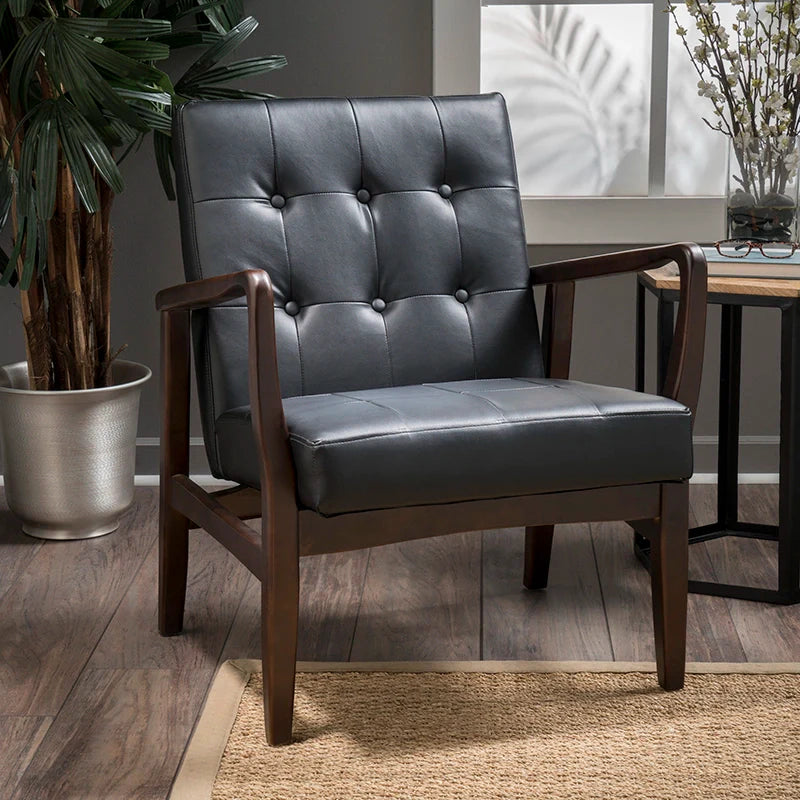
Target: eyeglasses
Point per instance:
(740, 248)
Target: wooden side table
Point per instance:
(733, 294)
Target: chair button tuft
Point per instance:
(278, 201)
(291, 308)
(378, 304)
(445, 190)
(363, 196)
(462, 295)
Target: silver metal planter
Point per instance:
(68, 457)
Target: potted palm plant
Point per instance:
(82, 82)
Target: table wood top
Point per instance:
(667, 278)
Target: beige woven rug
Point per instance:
(481, 730)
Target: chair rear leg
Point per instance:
(669, 553)
(538, 546)
(173, 533)
(173, 562)
(280, 591)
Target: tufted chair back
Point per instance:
(391, 229)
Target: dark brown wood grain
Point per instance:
(215, 587)
(88, 740)
(559, 307)
(685, 365)
(16, 549)
(711, 634)
(54, 614)
(214, 518)
(120, 736)
(287, 531)
(330, 597)
(173, 527)
(421, 601)
(767, 632)
(669, 580)
(20, 737)
(565, 621)
(374, 528)
(536, 556)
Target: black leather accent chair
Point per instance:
(369, 363)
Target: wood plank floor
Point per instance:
(95, 705)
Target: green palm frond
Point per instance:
(84, 83)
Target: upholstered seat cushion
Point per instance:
(464, 440)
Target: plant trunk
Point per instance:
(66, 311)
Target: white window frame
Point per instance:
(600, 220)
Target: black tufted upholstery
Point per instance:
(466, 440)
(391, 229)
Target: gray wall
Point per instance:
(363, 47)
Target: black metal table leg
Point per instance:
(730, 380)
(787, 533)
(664, 334)
(789, 502)
(640, 336)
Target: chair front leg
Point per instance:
(173, 529)
(669, 554)
(280, 589)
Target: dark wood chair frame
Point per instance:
(288, 532)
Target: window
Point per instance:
(577, 82)
(611, 146)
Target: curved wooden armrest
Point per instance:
(684, 370)
(266, 405)
(214, 291)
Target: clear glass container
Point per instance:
(762, 189)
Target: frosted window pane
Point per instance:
(577, 82)
(696, 156)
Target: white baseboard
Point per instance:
(209, 481)
(197, 441)
(744, 477)
(698, 477)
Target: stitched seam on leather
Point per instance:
(389, 302)
(300, 356)
(534, 382)
(195, 248)
(374, 245)
(377, 405)
(471, 339)
(319, 444)
(509, 389)
(286, 248)
(483, 189)
(582, 397)
(248, 420)
(345, 193)
(275, 185)
(458, 236)
(520, 214)
(476, 396)
(587, 400)
(444, 140)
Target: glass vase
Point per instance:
(762, 189)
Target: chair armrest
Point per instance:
(266, 404)
(684, 370)
(214, 291)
